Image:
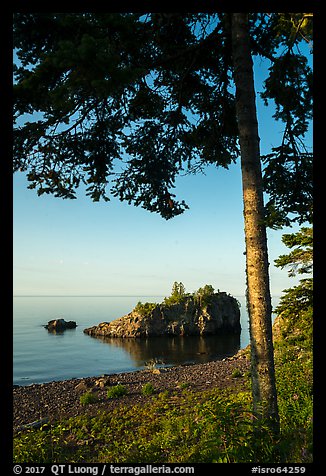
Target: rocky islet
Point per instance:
(60, 325)
(221, 314)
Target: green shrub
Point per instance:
(185, 385)
(147, 389)
(236, 373)
(87, 398)
(117, 391)
(145, 309)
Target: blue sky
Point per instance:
(78, 247)
(81, 247)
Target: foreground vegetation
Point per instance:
(199, 427)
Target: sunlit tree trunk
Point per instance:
(258, 292)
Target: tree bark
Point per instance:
(265, 407)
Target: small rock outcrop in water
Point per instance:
(60, 325)
(219, 314)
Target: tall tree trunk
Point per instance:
(258, 291)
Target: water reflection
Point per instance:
(176, 350)
(60, 332)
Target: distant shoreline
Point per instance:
(90, 295)
(108, 295)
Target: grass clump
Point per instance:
(184, 385)
(88, 398)
(148, 389)
(117, 391)
(236, 373)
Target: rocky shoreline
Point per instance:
(58, 399)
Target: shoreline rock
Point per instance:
(221, 314)
(59, 325)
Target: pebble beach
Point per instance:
(36, 403)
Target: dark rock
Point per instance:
(60, 325)
(220, 315)
(34, 425)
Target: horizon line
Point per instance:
(86, 295)
(108, 295)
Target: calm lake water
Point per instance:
(40, 356)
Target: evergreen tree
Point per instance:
(296, 304)
(178, 289)
(177, 295)
(300, 260)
